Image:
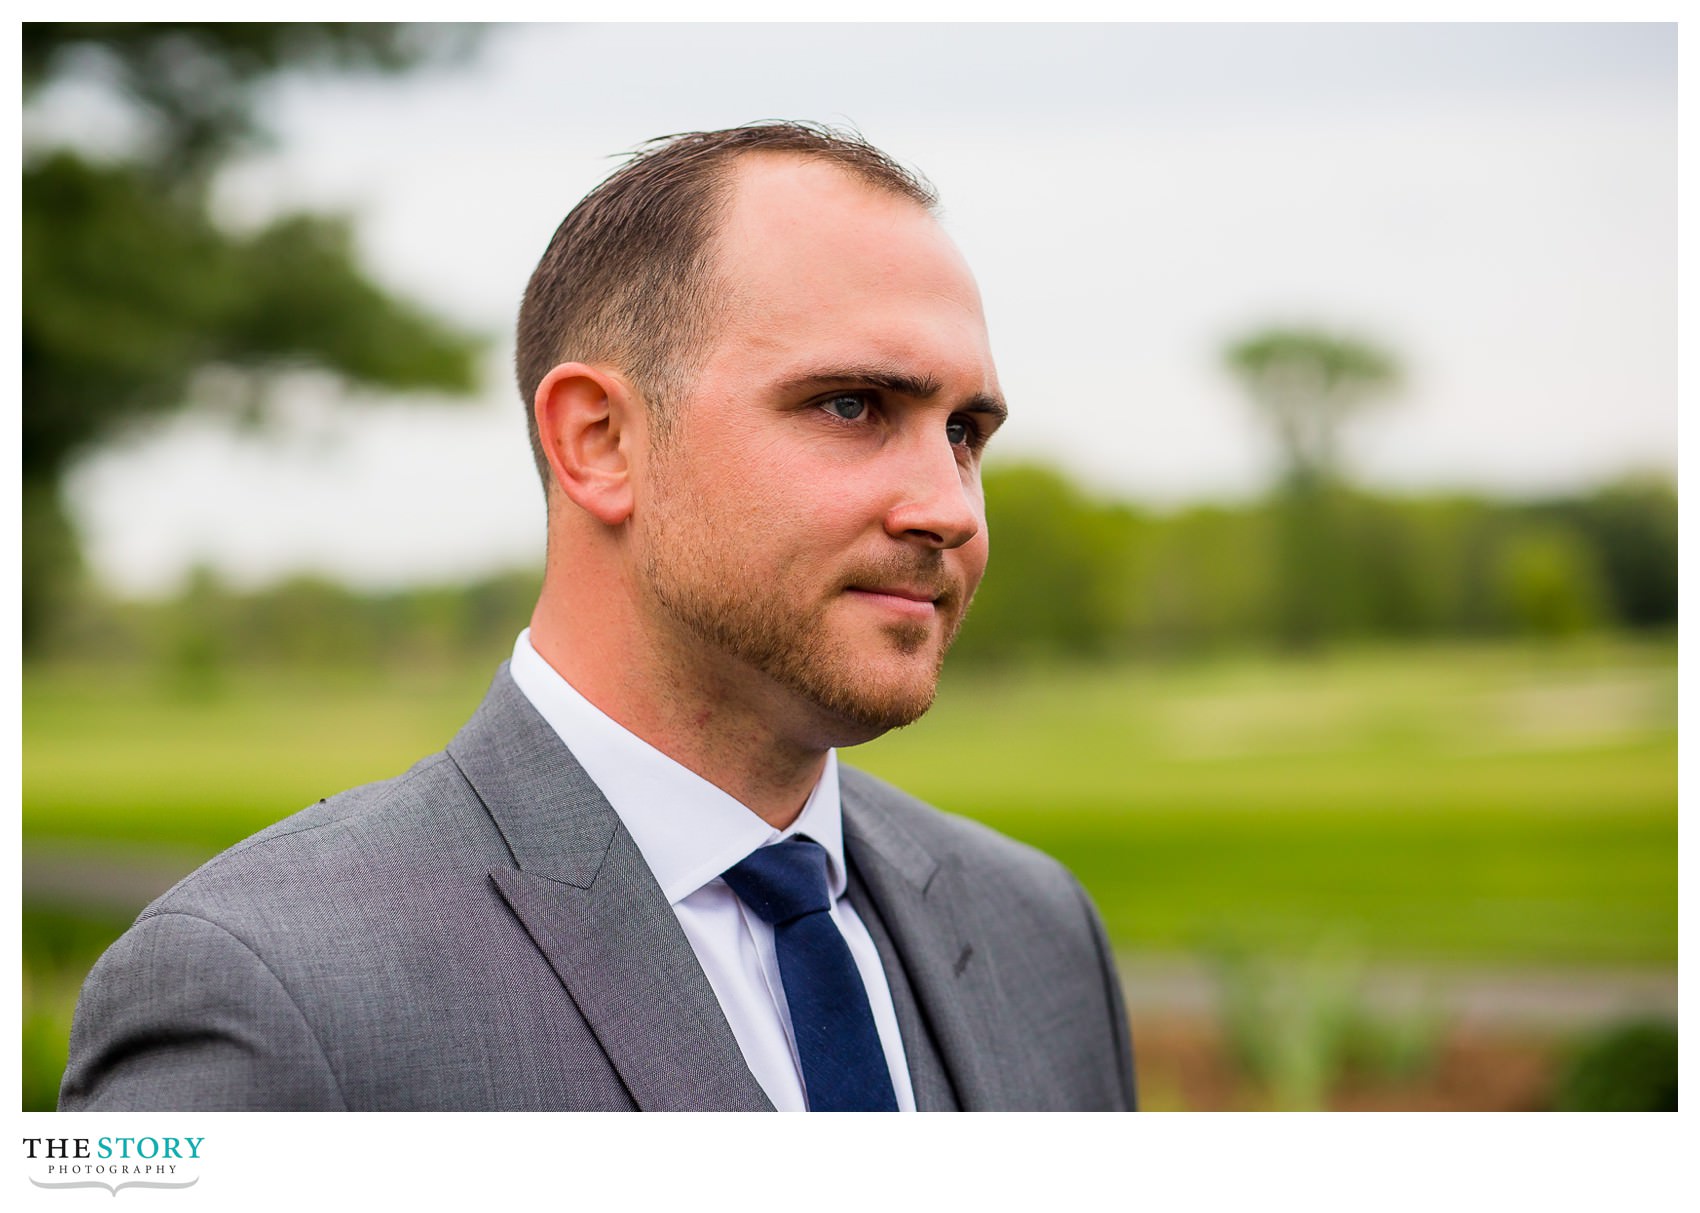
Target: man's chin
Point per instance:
(895, 678)
(864, 719)
(882, 694)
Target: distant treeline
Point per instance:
(1085, 577)
(1071, 576)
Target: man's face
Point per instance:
(812, 528)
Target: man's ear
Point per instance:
(587, 420)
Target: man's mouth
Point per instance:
(910, 603)
(906, 587)
(913, 594)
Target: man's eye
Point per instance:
(850, 408)
(960, 432)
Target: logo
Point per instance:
(114, 1163)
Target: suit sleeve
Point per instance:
(1120, 1034)
(180, 1014)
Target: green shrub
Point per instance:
(1630, 1067)
(1299, 1025)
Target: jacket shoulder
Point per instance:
(400, 829)
(308, 965)
(979, 849)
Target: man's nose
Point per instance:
(937, 505)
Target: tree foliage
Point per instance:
(132, 287)
(1306, 383)
(1631, 528)
(1059, 558)
(1073, 577)
(193, 83)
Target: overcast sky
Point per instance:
(1494, 204)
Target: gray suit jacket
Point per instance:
(482, 933)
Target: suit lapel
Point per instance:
(921, 901)
(649, 1004)
(593, 909)
(927, 1075)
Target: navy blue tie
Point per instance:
(844, 1066)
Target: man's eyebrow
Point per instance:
(922, 387)
(993, 406)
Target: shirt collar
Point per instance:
(687, 830)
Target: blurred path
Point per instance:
(1468, 995)
(106, 878)
(118, 880)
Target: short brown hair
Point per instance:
(629, 276)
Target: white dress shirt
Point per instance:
(689, 832)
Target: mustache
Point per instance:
(916, 569)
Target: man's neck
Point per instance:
(706, 725)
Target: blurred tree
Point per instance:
(1306, 383)
(1631, 525)
(1627, 1067)
(1073, 577)
(1059, 582)
(1424, 566)
(1205, 580)
(132, 288)
(198, 636)
(1550, 586)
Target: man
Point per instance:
(760, 387)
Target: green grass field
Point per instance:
(1492, 803)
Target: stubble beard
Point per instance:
(701, 586)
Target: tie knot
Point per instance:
(782, 882)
